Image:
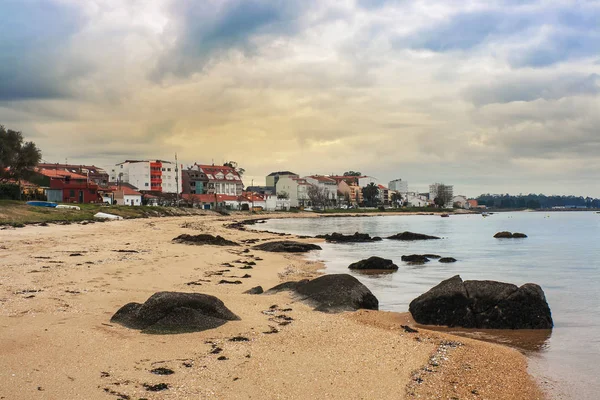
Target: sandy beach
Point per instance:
(60, 285)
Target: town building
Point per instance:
(414, 199)
(193, 181)
(441, 190)
(325, 183)
(273, 177)
(221, 179)
(66, 187)
(460, 201)
(398, 185)
(93, 173)
(384, 195)
(294, 189)
(157, 176)
(124, 195)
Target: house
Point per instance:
(473, 203)
(273, 203)
(327, 184)
(221, 179)
(414, 199)
(294, 189)
(93, 173)
(193, 181)
(384, 195)
(273, 177)
(125, 195)
(398, 185)
(66, 187)
(460, 201)
(156, 176)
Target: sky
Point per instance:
(494, 96)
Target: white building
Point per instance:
(222, 179)
(461, 201)
(296, 190)
(438, 189)
(147, 175)
(329, 185)
(398, 185)
(275, 204)
(414, 199)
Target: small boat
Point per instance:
(102, 215)
(41, 204)
(485, 214)
(445, 215)
(64, 206)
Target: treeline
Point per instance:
(536, 201)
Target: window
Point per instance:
(163, 169)
(169, 169)
(71, 193)
(121, 166)
(146, 184)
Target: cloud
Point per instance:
(33, 46)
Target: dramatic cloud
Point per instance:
(492, 96)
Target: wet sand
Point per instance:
(60, 285)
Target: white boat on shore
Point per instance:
(65, 206)
(102, 215)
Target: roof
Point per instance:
(212, 170)
(59, 173)
(382, 187)
(126, 190)
(282, 173)
(149, 161)
(301, 181)
(73, 168)
(321, 178)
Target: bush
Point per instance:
(9, 191)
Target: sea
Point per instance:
(561, 254)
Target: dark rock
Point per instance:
(75, 255)
(431, 256)
(374, 263)
(484, 305)
(503, 235)
(239, 339)
(332, 293)
(287, 246)
(355, 238)
(174, 312)
(412, 236)
(162, 371)
(222, 358)
(518, 235)
(156, 388)
(226, 282)
(408, 329)
(447, 260)
(415, 259)
(204, 239)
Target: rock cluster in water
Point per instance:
(287, 246)
(374, 263)
(174, 312)
(483, 304)
(331, 293)
(509, 235)
(355, 238)
(412, 236)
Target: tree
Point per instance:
(370, 194)
(16, 158)
(443, 195)
(236, 168)
(352, 173)
(396, 199)
(317, 196)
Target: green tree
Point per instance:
(352, 173)
(17, 158)
(396, 199)
(235, 166)
(370, 194)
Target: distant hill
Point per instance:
(536, 201)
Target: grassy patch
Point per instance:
(17, 213)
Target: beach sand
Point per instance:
(60, 285)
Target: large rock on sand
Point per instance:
(204, 239)
(412, 236)
(287, 246)
(374, 263)
(509, 235)
(484, 305)
(331, 293)
(356, 238)
(174, 312)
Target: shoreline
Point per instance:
(60, 343)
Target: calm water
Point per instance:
(561, 254)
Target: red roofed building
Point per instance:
(124, 195)
(221, 179)
(67, 187)
(384, 194)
